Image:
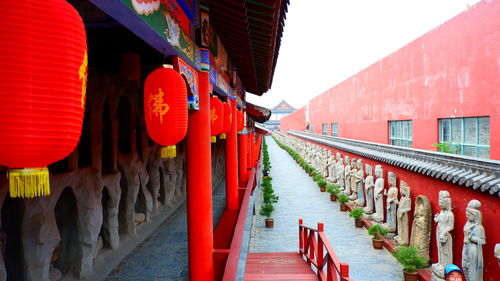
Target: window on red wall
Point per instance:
(467, 136)
(400, 133)
(335, 129)
(324, 128)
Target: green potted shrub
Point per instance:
(270, 198)
(317, 176)
(377, 230)
(310, 170)
(322, 185)
(357, 214)
(343, 199)
(410, 258)
(334, 190)
(267, 210)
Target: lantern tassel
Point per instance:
(29, 182)
(168, 152)
(222, 136)
(213, 139)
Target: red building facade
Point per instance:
(451, 72)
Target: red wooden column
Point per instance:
(232, 201)
(199, 187)
(242, 153)
(250, 145)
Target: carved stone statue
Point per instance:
(421, 228)
(331, 168)
(369, 184)
(360, 179)
(391, 203)
(352, 175)
(474, 239)
(403, 237)
(379, 195)
(340, 174)
(445, 224)
(347, 177)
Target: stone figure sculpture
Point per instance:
(421, 228)
(331, 168)
(445, 223)
(403, 237)
(352, 175)
(391, 203)
(340, 174)
(379, 195)
(474, 239)
(369, 184)
(360, 179)
(347, 177)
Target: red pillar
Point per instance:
(199, 187)
(250, 150)
(242, 153)
(232, 202)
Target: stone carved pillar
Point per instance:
(445, 223)
(474, 239)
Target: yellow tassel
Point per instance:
(29, 182)
(168, 152)
(213, 139)
(222, 136)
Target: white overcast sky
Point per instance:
(327, 41)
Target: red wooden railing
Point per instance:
(318, 253)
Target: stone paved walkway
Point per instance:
(164, 255)
(300, 198)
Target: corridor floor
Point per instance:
(299, 197)
(164, 255)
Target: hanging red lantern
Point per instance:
(216, 117)
(240, 121)
(43, 79)
(166, 108)
(228, 118)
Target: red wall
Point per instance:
(294, 121)
(452, 71)
(460, 195)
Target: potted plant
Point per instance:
(322, 185)
(376, 230)
(267, 210)
(317, 176)
(343, 199)
(411, 260)
(357, 214)
(334, 190)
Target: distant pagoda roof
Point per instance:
(283, 105)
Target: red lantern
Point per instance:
(228, 117)
(240, 120)
(43, 80)
(166, 108)
(216, 117)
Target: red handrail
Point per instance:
(312, 246)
